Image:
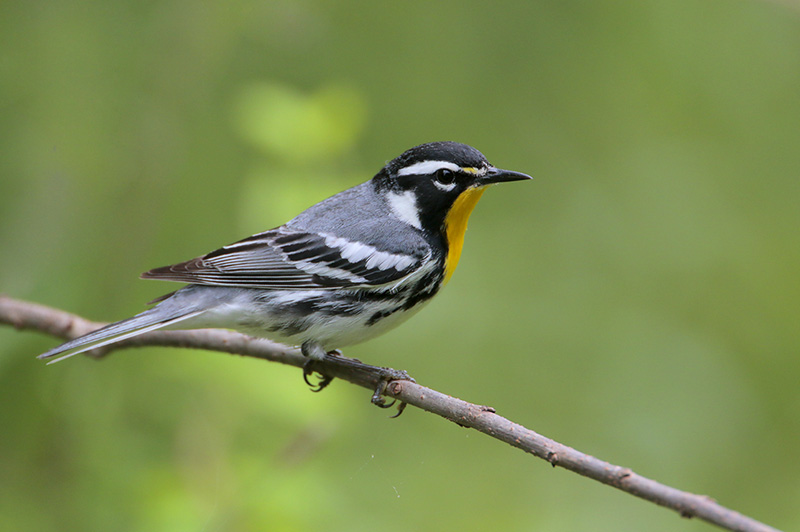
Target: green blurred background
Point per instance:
(639, 300)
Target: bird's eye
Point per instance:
(445, 176)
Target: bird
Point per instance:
(343, 271)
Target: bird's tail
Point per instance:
(149, 320)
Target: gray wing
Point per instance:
(290, 259)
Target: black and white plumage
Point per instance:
(343, 271)
(282, 258)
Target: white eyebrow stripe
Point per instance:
(427, 167)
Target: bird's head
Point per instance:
(435, 186)
(431, 183)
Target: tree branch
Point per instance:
(25, 315)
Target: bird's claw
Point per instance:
(377, 397)
(388, 375)
(322, 383)
(314, 352)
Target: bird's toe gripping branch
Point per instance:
(380, 375)
(387, 375)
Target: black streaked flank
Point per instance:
(378, 316)
(424, 289)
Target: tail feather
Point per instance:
(147, 321)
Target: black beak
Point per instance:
(495, 175)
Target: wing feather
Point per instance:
(297, 260)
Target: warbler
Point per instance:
(343, 271)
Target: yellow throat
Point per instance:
(455, 225)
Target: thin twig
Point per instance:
(25, 315)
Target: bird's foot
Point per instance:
(315, 353)
(382, 376)
(385, 376)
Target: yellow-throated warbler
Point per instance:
(344, 271)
